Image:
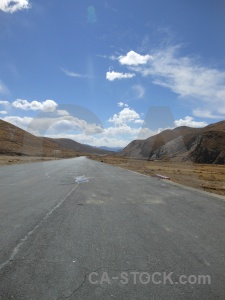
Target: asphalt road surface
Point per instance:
(80, 229)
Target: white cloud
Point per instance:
(205, 114)
(23, 123)
(73, 74)
(18, 121)
(139, 121)
(121, 104)
(125, 116)
(5, 105)
(62, 112)
(126, 128)
(127, 132)
(112, 75)
(221, 110)
(140, 90)
(189, 121)
(3, 88)
(121, 129)
(11, 6)
(4, 102)
(69, 123)
(133, 59)
(47, 105)
(186, 77)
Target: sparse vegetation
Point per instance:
(210, 178)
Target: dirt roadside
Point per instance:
(210, 178)
(11, 160)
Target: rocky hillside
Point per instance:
(200, 145)
(15, 141)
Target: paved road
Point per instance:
(62, 239)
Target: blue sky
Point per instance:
(107, 72)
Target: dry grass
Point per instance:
(11, 160)
(210, 178)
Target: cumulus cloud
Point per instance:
(126, 115)
(133, 59)
(21, 122)
(10, 6)
(189, 121)
(127, 132)
(62, 112)
(112, 75)
(126, 127)
(140, 90)
(3, 112)
(47, 105)
(121, 104)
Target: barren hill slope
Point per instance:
(15, 141)
(202, 145)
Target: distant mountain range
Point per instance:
(200, 145)
(114, 149)
(15, 141)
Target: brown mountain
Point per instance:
(15, 141)
(200, 145)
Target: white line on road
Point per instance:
(23, 240)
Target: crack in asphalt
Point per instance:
(75, 263)
(95, 271)
(80, 286)
(23, 240)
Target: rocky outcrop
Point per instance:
(210, 148)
